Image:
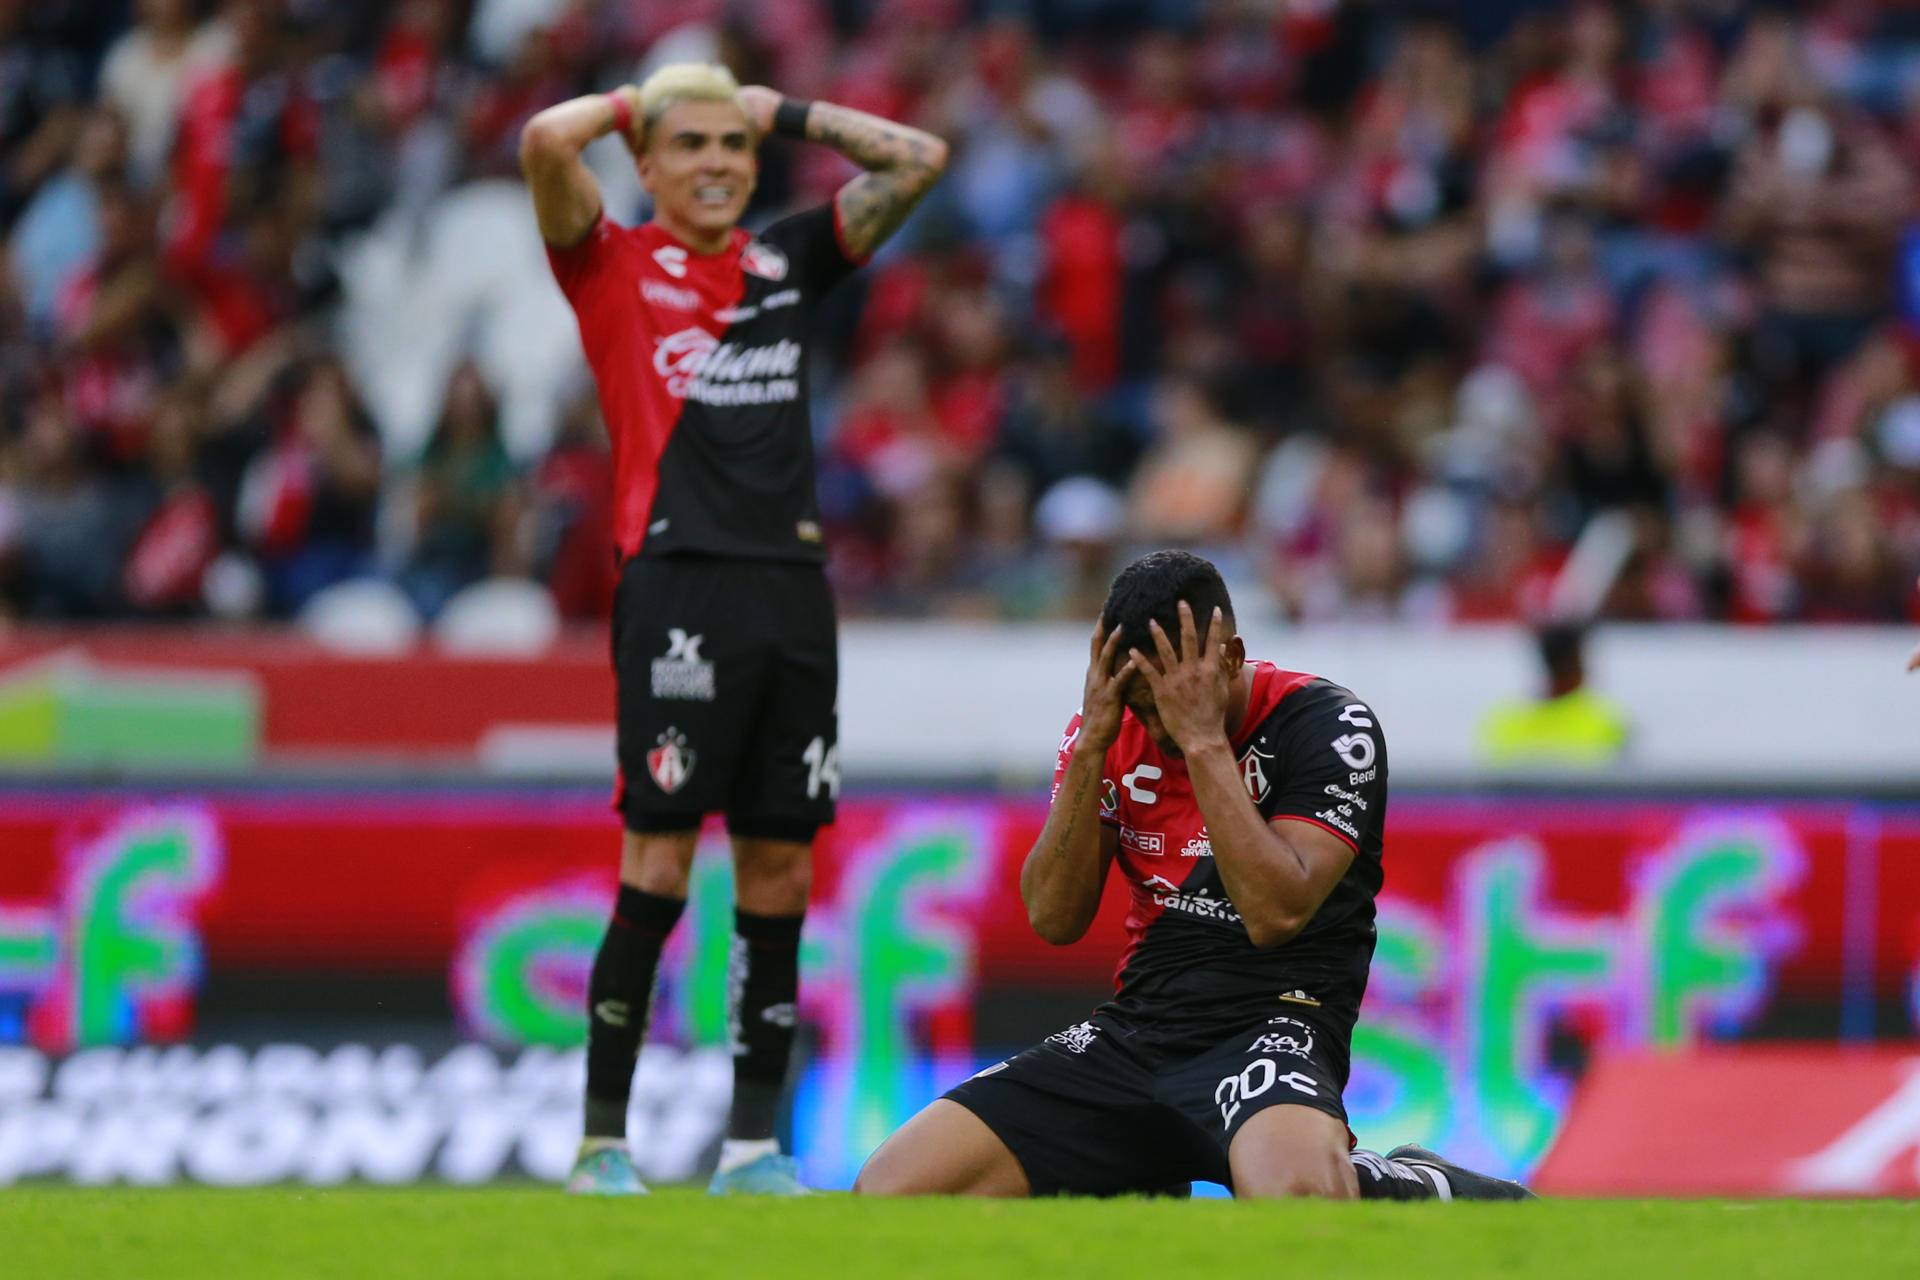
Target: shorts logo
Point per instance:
(670, 764)
(683, 674)
(1148, 842)
(673, 260)
(779, 1015)
(613, 1012)
(1298, 997)
(762, 259)
(1076, 1038)
(1296, 1039)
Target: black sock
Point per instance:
(765, 982)
(1384, 1179)
(618, 993)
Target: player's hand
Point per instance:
(1100, 705)
(1190, 684)
(759, 102)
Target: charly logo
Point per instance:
(698, 366)
(670, 764)
(672, 259)
(683, 675)
(762, 259)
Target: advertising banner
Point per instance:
(1516, 939)
(1811, 1120)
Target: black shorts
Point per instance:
(1085, 1114)
(728, 678)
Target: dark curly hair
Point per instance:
(1151, 589)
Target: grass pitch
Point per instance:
(48, 1233)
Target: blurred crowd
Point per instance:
(1405, 311)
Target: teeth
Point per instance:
(713, 195)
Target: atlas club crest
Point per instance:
(670, 764)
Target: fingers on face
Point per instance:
(1168, 655)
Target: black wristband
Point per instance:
(790, 117)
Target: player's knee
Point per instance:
(1305, 1180)
(885, 1175)
(772, 877)
(658, 862)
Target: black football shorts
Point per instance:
(727, 673)
(1085, 1113)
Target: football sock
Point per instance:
(766, 982)
(1384, 1179)
(618, 992)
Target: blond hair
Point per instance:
(682, 82)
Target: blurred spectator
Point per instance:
(307, 500)
(1386, 308)
(467, 500)
(1568, 725)
(146, 72)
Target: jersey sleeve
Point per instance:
(1109, 794)
(580, 268)
(1331, 765)
(817, 258)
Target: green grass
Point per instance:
(527, 1234)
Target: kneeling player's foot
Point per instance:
(604, 1168)
(1465, 1183)
(771, 1174)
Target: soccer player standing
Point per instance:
(723, 631)
(1245, 805)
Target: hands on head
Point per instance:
(1191, 683)
(759, 102)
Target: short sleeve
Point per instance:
(1109, 793)
(1065, 755)
(579, 266)
(817, 258)
(1331, 765)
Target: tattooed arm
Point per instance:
(902, 164)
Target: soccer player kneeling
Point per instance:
(1245, 805)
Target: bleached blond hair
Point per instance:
(683, 82)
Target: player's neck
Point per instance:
(1239, 696)
(696, 239)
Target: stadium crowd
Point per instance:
(1380, 306)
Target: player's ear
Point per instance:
(643, 165)
(1236, 654)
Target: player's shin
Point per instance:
(618, 993)
(766, 984)
(1382, 1178)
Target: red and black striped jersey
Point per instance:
(1308, 750)
(701, 364)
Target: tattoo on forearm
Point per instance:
(902, 162)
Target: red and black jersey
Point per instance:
(701, 363)
(1308, 749)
